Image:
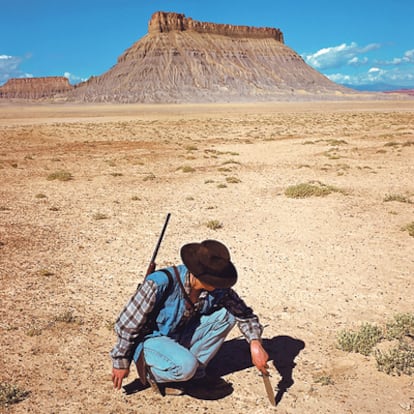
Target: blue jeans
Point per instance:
(185, 355)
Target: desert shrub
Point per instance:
(402, 325)
(397, 361)
(410, 228)
(100, 216)
(361, 341)
(187, 169)
(67, 317)
(60, 176)
(397, 197)
(324, 380)
(335, 142)
(233, 180)
(149, 177)
(11, 394)
(40, 195)
(214, 224)
(305, 190)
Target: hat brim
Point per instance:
(225, 279)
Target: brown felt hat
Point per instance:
(209, 261)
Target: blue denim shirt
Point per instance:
(132, 324)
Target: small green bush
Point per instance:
(305, 190)
(402, 325)
(399, 360)
(60, 176)
(361, 341)
(187, 169)
(410, 228)
(100, 216)
(67, 317)
(397, 197)
(214, 224)
(233, 180)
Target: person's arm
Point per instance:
(250, 327)
(128, 327)
(259, 356)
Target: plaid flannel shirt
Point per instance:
(134, 316)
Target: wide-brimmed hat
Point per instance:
(209, 261)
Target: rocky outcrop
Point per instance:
(181, 60)
(35, 88)
(162, 22)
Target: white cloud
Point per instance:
(10, 68)
(408, 57)
(375, 75)
(74, 78)
(341, 55)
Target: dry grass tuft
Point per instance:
(316, 189)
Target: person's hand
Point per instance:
(118, 375)
(259, 356)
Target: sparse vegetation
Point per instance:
(67, 317)
(394, 361)
(324, 380)
(187, 169)
(361, 341)
(100, 216)
(60, 176)
(315, 189)
(402, 325)
(335, 142)
(233, 180)
(214, 224)
(149, 177)
(410, 228)
(11, 394)
(398, 360)
(397, 197)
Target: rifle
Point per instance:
(152, 265)
(141, 367)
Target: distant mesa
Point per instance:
(183, 60)
(35, 88)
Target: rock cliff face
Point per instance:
(183, 60)
(162, 22)
(35, 88)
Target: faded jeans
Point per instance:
(180, 358)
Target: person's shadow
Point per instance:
(234, 356)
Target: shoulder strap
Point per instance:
(169, 287)
(180, 283)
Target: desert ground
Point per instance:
(84, 193)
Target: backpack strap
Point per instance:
(180, 283)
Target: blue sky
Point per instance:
(357, 42)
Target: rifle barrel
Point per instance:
(154, 255)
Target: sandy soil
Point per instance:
(72, 252)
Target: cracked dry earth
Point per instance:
(72, 252)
